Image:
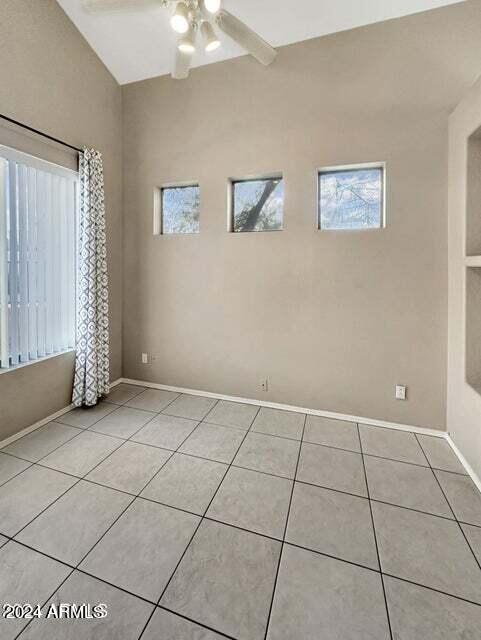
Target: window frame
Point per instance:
(11, 154)
(275, 175)
(363, 166)
(158, 222)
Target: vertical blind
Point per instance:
(38, 207)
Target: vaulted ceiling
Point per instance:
(135, 45)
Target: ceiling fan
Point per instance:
(194, 19)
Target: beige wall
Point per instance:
(334, 320)
(464, 400)
(52, 80)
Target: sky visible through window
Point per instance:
(258, 205)
(181, 209)
(351, 199)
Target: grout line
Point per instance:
(391, 504)
(53, 417)
(45, 509)
(130, 503)
(141, 390)
(201, 518)
(200, 624)
(45, 602)
(89, 430)
(149, 444)
(77, 435)
(137, 496)
(18, 472)
(432, 433)
(79, 479)
(453, 473)
(372, 422)
(464, 463)
(285, 532)
(76, 568)
(375, 535)
(102, 433)
(115, 586)
(223, 522)
(173, 452)
(101, 537)
(13, 455)
(222, 426)
(85, 478)
(86, 428)
(276, 435)
(453, 512)
(227, 524)
(444, 593)
(188, 544)
(264, 473)
(328, 555)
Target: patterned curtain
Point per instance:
(92, 344)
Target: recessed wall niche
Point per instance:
(473, 327)
(473, 195)
(473, 262)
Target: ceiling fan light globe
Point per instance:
(211, 41)
(212, 46)
(180, 19)
(186, 43)
(186, 47)
(212, 6)
(179, 25)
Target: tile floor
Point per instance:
(193, 519)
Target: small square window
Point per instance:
(351, 198)
(180, 209)
(258, 205)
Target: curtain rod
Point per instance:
(39, 133)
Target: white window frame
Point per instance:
(14, 156)
(352, 167)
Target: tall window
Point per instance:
(258, 205)
(351, 198)
(38, 206)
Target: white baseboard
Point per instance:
(273, 405)
(33, 427)
(315, 412)
(288, 407)
(44, 421)
(469, 469)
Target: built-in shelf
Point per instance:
(473, 261)
(473, 327)
(473, 195)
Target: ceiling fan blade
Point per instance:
(245, 37)
(181, 65)
(98, 6)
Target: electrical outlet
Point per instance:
(145, 358)
(265, 385)
(401, 392)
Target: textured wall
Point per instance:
(52, 80)
(334, 319)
